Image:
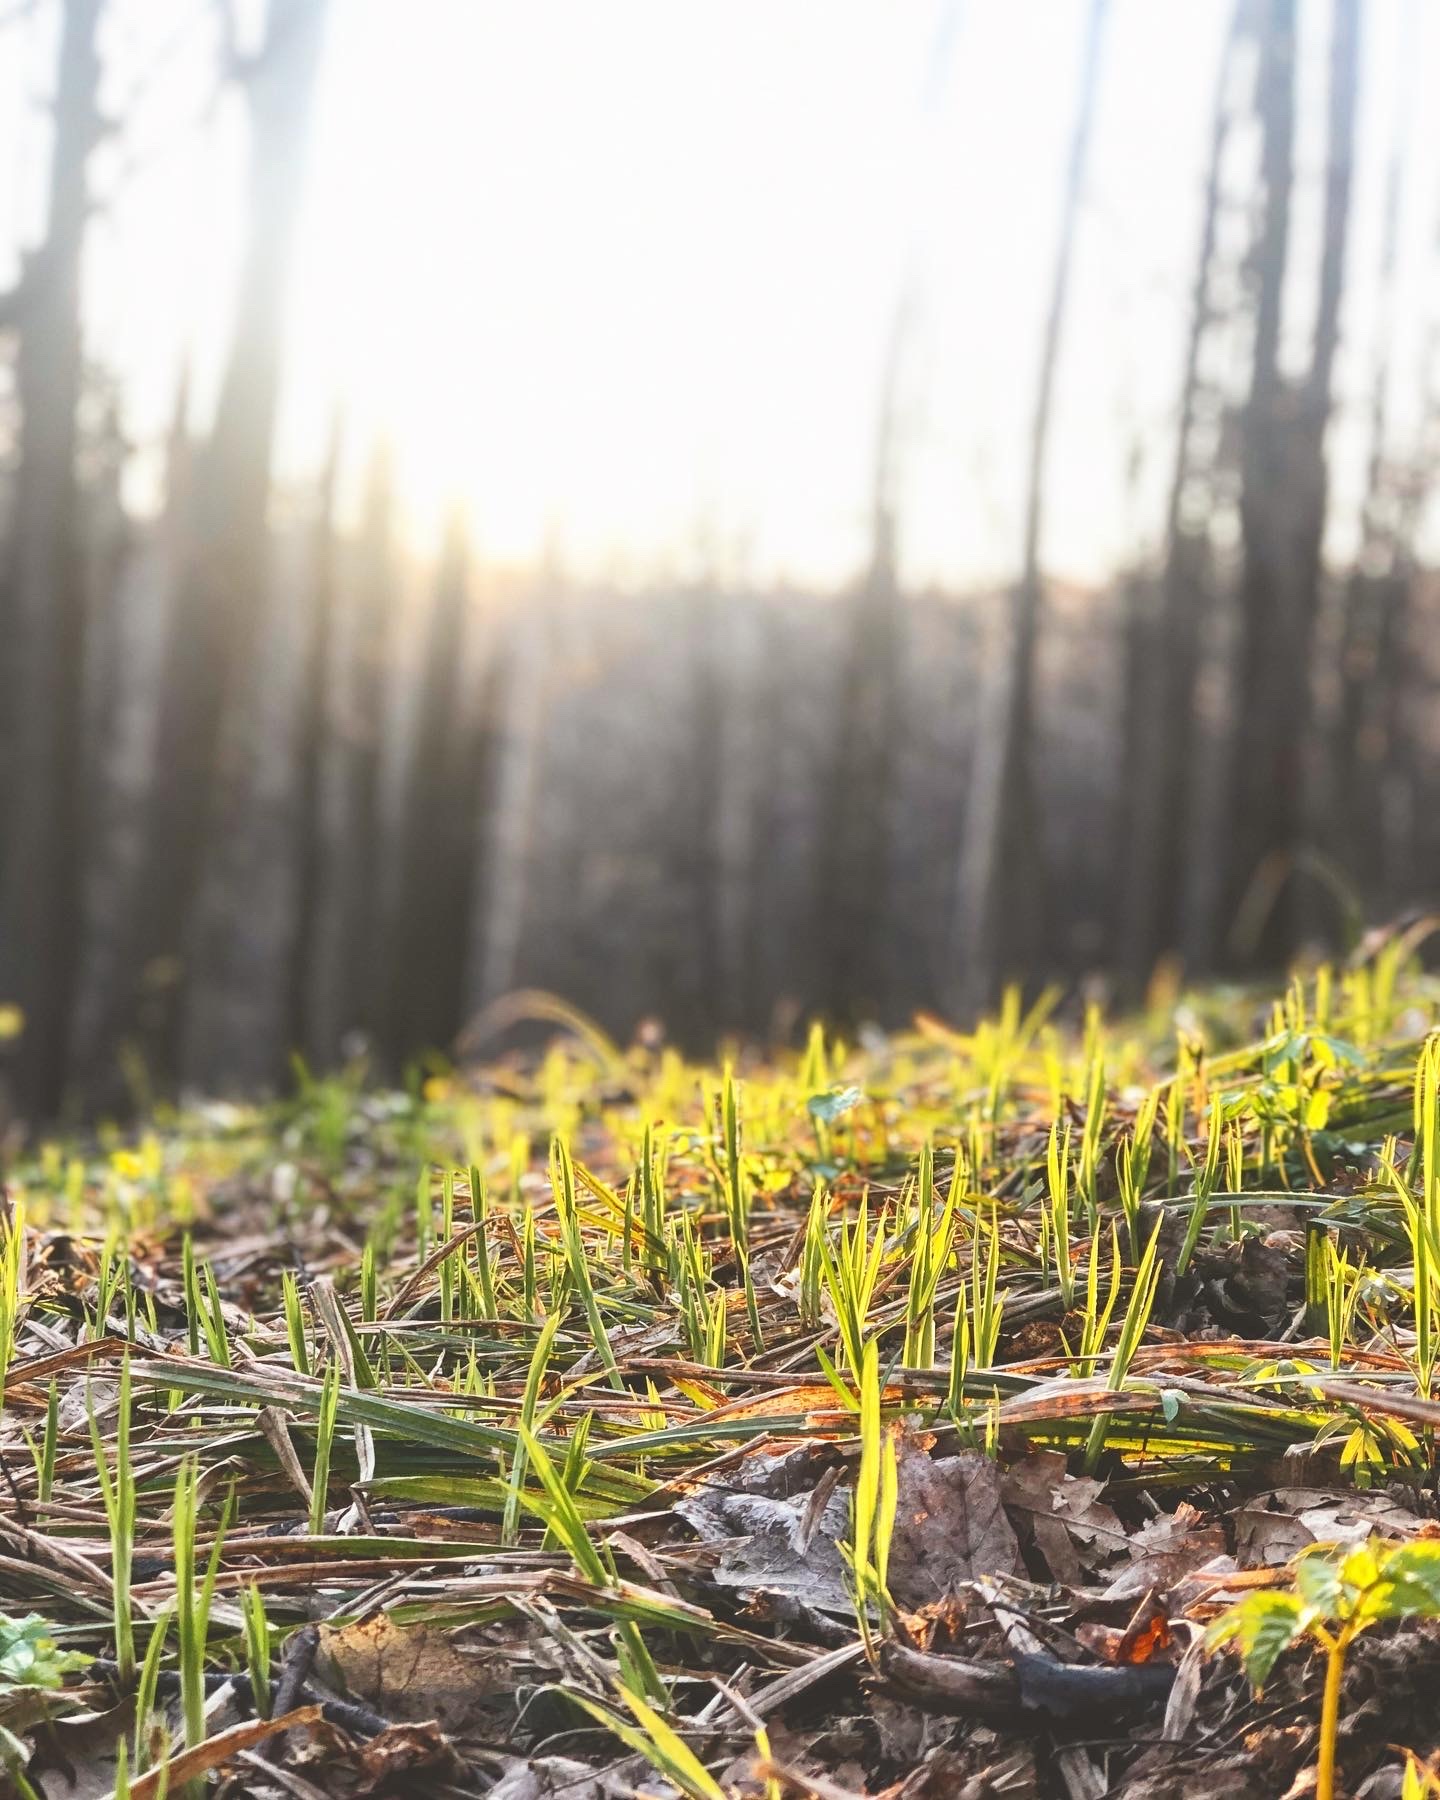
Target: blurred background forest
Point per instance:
(721, 514)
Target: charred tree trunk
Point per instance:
(218, 592)
(855, 842)
(524, 698)
(1378, 591)
(45, 611)
(426, 962)
(1001, 877)
(856, 838)
(704, 811)
(1163, 635)
(1282, 507)
(352, 903)
(311, 1028)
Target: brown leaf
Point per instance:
(402, 1750)
(1275, 1527)
(1074, 1530)
(562, 1778)
(413, 1673)
(778, 1522)
(1174, 1545)
(950, 1524)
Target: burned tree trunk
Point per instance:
(338, 957)
(429, 938)
(1163, 634)
(1001, 877)
(311, 1009)
(1282, 506)
(1378, 592)
(45, 600)
(856, 840)
(218, 589)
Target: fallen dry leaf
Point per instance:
(1174, 1545)
(1073, 1528)
(413, 1673)
(760, 1517)
(1275, 1527)
(950, 1523)
(778, 1528)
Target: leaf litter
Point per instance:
(891, 1420)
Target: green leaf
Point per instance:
(1320, 1582)
(828, 1107)
(662, 1747)
(559, 1511)
(1411, 1576)
(1262, 1625)
(29, 1655)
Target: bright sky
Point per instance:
(621, 278)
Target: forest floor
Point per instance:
(885, 1420)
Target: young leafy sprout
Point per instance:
(1337, 1595)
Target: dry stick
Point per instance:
(795, 1682)
(284, 1778)
(415, 1282)
(202, 1757)
(349, 1715)
(300, 1655)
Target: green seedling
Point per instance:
(118, 1494)
(1337, 1595)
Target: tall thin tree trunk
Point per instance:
(497, 938)
(45, 611)
(1001, 876)
(311, 1026)
(1378, 591)
(426, 962)
(855, 841)
(1163, 631)
(1283, 505)
(356, 881)
(218, 594)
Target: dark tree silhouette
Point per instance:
(350, 912)
(1001, 878)
(439, 826)
(855, 861)
(1283, 503)
(311, 1021)
(219, 586)
(44, 596)
(1164, 623)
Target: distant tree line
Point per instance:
(269, 785)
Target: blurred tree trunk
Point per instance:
(127, 665)
(1000, 898)
(312, 1000)
(524, 697)
(1377, 594)
(855, 840)
(219, 587)
(44, 615)
(1282, 506)
(703, 813)
(1163, 632)
(855, 864)
(437, 853)
(340, 965)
